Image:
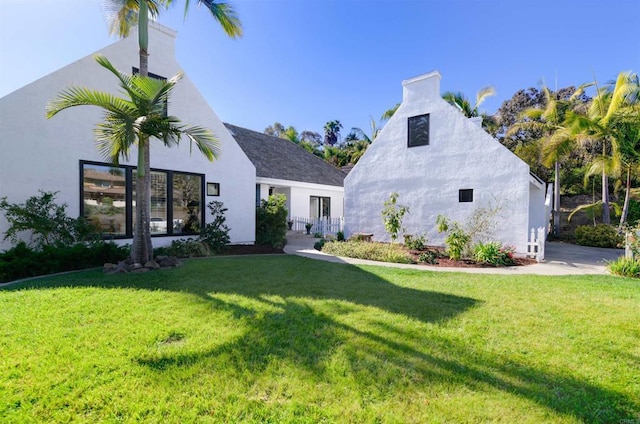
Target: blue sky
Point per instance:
(305, 62)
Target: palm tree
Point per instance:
(463, 104)
(332, 132)
(603, 124)
(558, 142)
(121, 16)
(136, 119)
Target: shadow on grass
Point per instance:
(293, 330)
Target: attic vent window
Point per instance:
(418, 130)
(465, 195)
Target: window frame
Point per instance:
(129, 219)
(418, 143)
(465, 195)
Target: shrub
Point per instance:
(216, 233)
(319, 244)
(428, 258)
(340, 236)
(625, 267)
(22, 261)
(392, 215)
(415, 242)
(493, 253)
(457, 239)
(601, 235)
(46, 221)
(368, 250)
(271, 221)
(186, 248)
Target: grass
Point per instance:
(289, 339)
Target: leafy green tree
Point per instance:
(134, 121)
(271, 221)
(275, 130)
(392, 216)
(122, 16)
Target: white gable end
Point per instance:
(428, 178)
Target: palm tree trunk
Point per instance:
(606, 217)
(556, 200)
(625, 207)
(142, 249)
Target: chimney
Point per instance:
(421, 88)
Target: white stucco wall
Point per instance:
(460, 155)
(299, 194)
(44, 154)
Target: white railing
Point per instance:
(535, 246)
(324, 225)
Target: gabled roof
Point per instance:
(281, 159)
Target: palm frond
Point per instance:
(389, 113)
(78, 96)
(122, 15)
(222, 12)
(482, 95)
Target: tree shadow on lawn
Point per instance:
(291, 329)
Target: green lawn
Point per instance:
(287, 339)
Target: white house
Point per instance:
(440, 162)
(59, 154)
(313, 187)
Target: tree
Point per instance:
(134, 120)
(122, 15)
(549, 120)
(603, 124)
(332, 132)
(274, 130)
(459, 100)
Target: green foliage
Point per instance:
(340, 236)
(493, 253)
(271, 221)
(633, 214)
(22, 261)
(428, 257)
(319, 244)
(45, 221)
(382, 252)
(392, 215)
(457, 239)
(216, 233)
(184, 248)
(412, 242)
(625, 267)
(601, 235)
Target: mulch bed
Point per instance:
(444, 261)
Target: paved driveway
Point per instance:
(561, 259)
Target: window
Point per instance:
(465, 195)
(165, 110)
(319, 207)
(213, 189)
(418, 130)
(108, 200)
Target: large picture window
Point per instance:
(319, 207)
(108, 200)
(418, 130)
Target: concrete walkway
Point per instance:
(561, 259)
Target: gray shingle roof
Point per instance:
(277, 158)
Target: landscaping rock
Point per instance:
(122, 268)
(135, 266)
(152, 265)
(109, 268)
(168, 261)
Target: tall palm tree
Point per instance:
(332, 132)
(558, 141)
(602, 124)
(136, 119)
(122, 16)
